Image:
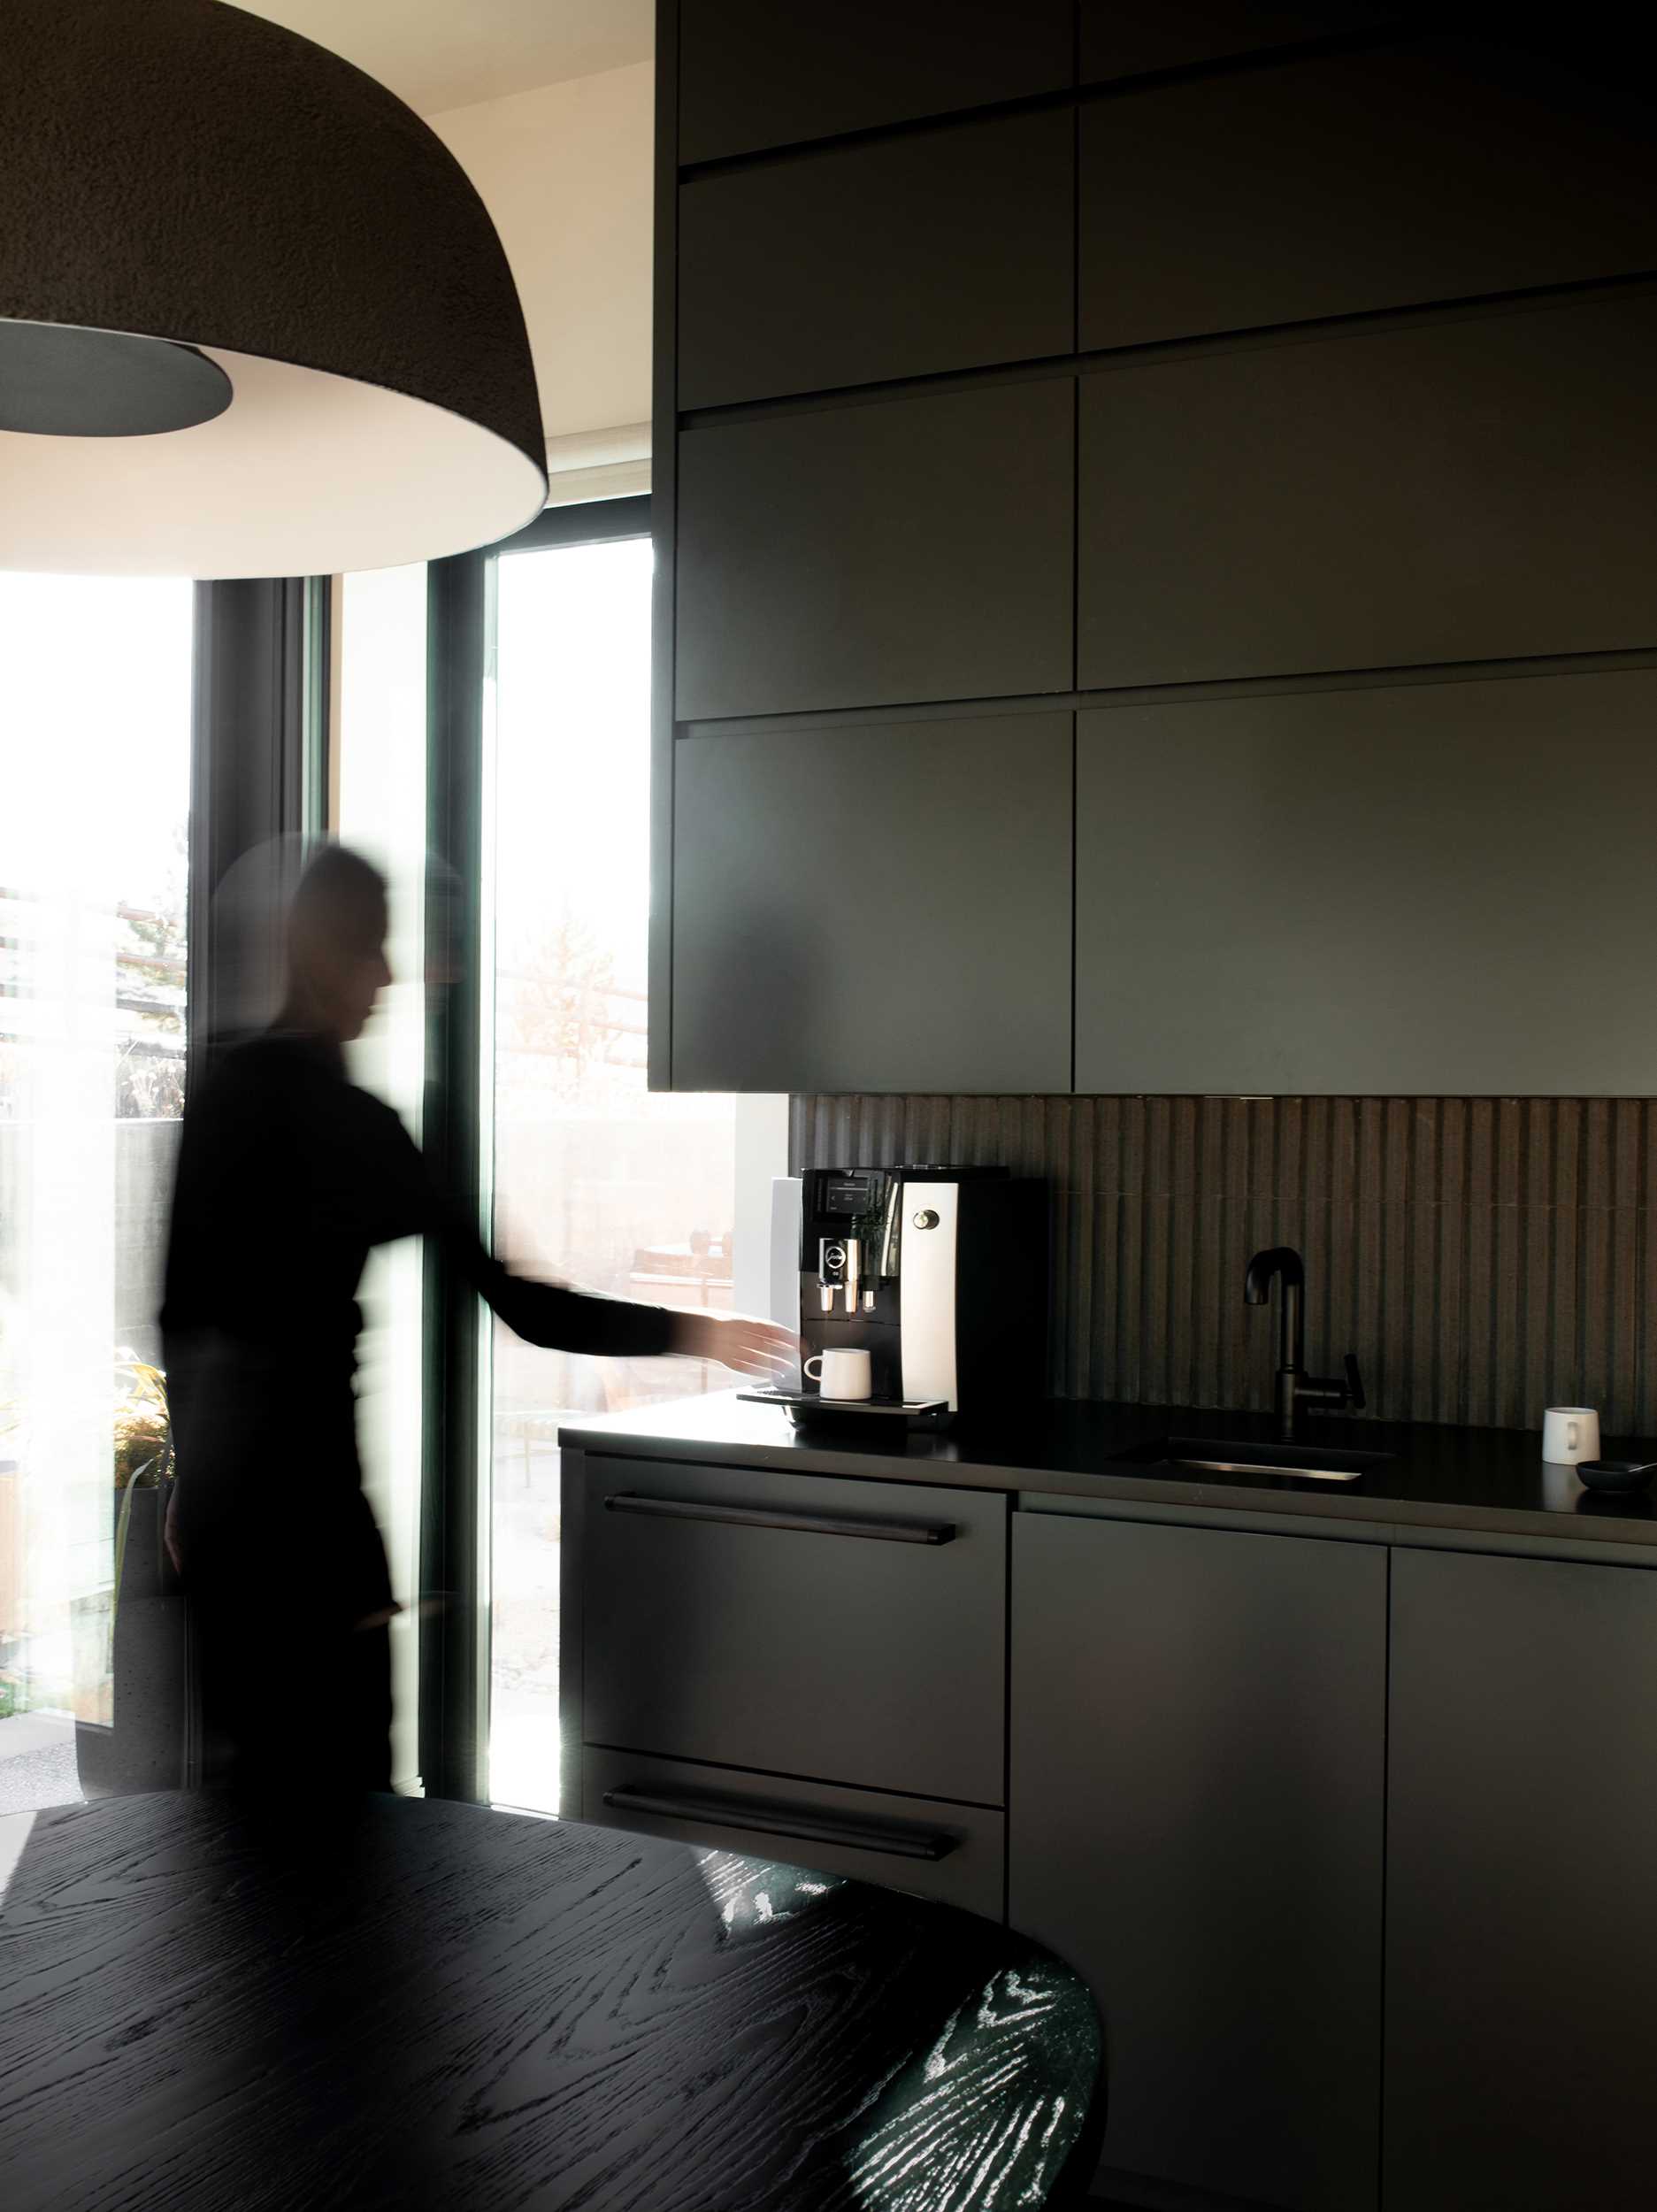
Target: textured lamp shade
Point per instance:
(254, 319)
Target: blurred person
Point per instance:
(287, 1175)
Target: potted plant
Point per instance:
(142, 1748)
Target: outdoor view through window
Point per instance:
(92, 997)
(598, 1182)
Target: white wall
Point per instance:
(565, 171)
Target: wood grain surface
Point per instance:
(425, 2003)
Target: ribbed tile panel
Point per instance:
(1485, 1258)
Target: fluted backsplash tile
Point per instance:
(1483, 1258)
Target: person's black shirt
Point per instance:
(287, 1175)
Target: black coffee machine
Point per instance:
(940, 1273)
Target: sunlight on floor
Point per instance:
(37, 1762)
(524, 1754)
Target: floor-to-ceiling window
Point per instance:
(597, 1181)
(493, 754)
(95, 732)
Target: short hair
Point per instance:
(340, 900)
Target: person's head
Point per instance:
(336, 945)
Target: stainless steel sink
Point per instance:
(1219, 1455)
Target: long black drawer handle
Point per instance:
(760, 1516)
(784, 1820)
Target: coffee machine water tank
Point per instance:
(928, 1347)
(972, 1283)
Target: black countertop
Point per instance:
(1490, 1481)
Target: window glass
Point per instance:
(598, 1182)
(96, 769)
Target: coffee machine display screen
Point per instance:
(845, 1196)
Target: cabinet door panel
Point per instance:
(875, 908)
(951, 250)
(1195, 1823)
(1355, 182)
(873, 554)
(1461, 490)
(1520, 1930)
(748, 1619)
(1361, 892)
(797, 1822)
(1132, 38)
(753, 74)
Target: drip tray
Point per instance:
(807, 1408)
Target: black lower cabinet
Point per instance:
(933, 1849)
(1521, 1912)
(1195, 1821)
(842, 1632)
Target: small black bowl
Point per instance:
(1619, 1477)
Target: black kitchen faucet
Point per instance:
(1295, 1387)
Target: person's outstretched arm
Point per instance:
(577, 1321)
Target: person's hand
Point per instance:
(739, 1342)
(380, 1618)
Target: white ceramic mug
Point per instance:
(1569, 1434)
(841, 1374)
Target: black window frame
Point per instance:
(259, 750)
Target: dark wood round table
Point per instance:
(420, 2003)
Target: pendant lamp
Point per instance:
(254, 319)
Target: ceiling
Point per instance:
(438, 54)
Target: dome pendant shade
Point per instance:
(254, 319)
(60, 383)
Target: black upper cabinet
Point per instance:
(880, 553)
(951, 248)
(1327, 186)
(1465, 489)
(1361, 891)
(756, 73)
(1133, 38)
(879, 909)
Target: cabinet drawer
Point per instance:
(954, 1852)
(845, 1631)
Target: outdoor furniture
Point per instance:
(421, 2003)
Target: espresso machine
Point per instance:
(939, 1272)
